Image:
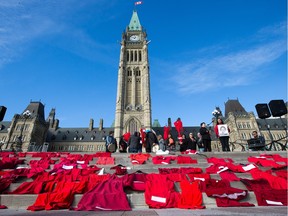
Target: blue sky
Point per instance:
(202, 52)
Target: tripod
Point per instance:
(272, 144)
(284, 128)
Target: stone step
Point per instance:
(233, 155)
(123, 158)
(150, 167)
(236, 184)
(136, 200)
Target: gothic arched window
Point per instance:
(140, 56)
(132, 126)
(131, 57)
(135, 55)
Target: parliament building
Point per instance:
(132, 112)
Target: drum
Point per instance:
(111, 147)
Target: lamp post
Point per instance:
(216, 113)
(19, 140)
(1, 144)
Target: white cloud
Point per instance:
(9, 4)
(23, 22)
(278, 30)
(238, 68)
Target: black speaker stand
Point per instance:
(272, 144)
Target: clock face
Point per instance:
(134, 38)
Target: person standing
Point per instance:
(200, 142)
(183, 143)
(161, 142)
(122, 145)
(134, 142)
(222, 132)
(151, 140)
(170, 143)
(111, 143)
(191, 142)
(206, 138)
(179, 128)
(142, 142)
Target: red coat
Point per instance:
(166, 132)
(179, 127)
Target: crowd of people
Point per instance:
(152, 142)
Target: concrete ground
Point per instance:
(243, 211)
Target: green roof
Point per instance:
(134, 24)
(156, 123)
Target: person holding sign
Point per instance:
(222, 132)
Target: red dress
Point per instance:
(160, 192)
(191, 196)
(107, 195)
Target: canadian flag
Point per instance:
(138, 2)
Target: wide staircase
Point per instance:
(136, 198)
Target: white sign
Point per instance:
(223, 130)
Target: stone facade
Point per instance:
(39, 132)
(32, 129)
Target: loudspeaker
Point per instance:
(263, 111)
(2, 112)
(278, 108)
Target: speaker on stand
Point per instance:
(2, 112)
(278, 108)
(263, 111)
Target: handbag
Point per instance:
(111, 147)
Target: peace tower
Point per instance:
(133, 101)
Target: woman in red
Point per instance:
(221, 132)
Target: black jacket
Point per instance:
(134, 142)
(191, 144)
(205, 133)
(150, 139)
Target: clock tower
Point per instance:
(133, 101)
